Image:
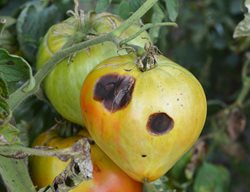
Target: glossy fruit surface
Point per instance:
(144, 121)
(63, 84)
(107, 177)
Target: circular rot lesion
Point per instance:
(159, 123)
(114, 91)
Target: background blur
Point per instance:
(203, 43)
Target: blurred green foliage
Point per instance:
(203, 43)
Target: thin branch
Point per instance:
(19, 152)
(146, 27)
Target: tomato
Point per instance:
(143, 120)
(107, 177)
(63, 84)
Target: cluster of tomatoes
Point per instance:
(142, 119)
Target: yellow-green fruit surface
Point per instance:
(144, 121)
(63, 84)
(107, 176)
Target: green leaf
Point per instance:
(13, 172)
(102, 5)
(14, 68)
(172, 9)
(157, 17)
(127, 7)
(243, 28)
(24, 128)
(9, 135)
(7, 39)
(211, 178)
(4, 111)
(15, 175)
(34, 21)
(4, 92)
(135, 4)
(123, 9)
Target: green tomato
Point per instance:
(63, 84)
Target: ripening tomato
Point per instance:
(107, 177)
(63, 84)
(143, 120)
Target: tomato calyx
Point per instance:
(84, 27)
(147, 60)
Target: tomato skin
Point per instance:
(168, 91)
(62, 86)
(107, 177)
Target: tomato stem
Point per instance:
(145, 27)
(20, 152)
(134, 17)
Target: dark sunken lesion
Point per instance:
(159, 123)
(69, 182)
(114, 91)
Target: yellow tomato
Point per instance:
(144, 121)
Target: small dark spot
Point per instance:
(91, 141)
(159, 123)
(196, 151)
(114, 91)
(69, 182)
(178, 99)
(55, 186)
(128, 70)
(76, 169)
(10, 62)
(143, 155)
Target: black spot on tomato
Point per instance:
(76, 169)
(114, 91)
(159, 123)
(55, 186)
(69, 182)
(127, 70)
(143, 155)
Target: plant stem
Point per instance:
(20, 95)
(134, 17)
(145, 27)
(19, 152)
